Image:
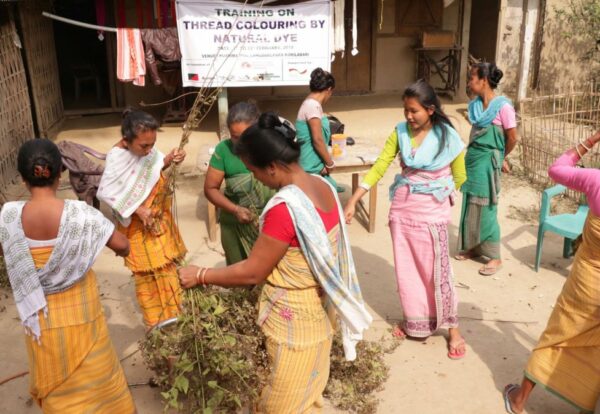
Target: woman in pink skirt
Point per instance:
(433, 167)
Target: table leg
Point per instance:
(372, 208)
(212, 221)
(354, 182)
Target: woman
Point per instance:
(134, 187)
(304, 259)
(432, 158)
(244, 197)
(312, 127)
(493, 137)
(566, 360)
(49, 247)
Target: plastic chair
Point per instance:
(570, 226)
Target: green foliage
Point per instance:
(581, 19)
(214, 358)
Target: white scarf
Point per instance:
(82, 234)
(128, 180)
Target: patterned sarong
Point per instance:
(75, 369)
(566, 360)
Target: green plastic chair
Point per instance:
(570, 226)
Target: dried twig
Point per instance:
(12, 377)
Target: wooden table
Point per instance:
(356, 164)
(352, 163)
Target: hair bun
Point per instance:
(127, 111)
(496, 74)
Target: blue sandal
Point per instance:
(506, 394)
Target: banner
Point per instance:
(229, 44)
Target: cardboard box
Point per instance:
(437, 38)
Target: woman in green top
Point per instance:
(244, 198)
(493, 137)
(312, 126)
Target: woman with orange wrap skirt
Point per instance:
(131, 183)
(49, 246)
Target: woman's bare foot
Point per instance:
(457, 347)
(491, 267)
(465, 255)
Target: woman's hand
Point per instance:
(188, 276)
(145, 214)
(506, 167)
(349, 211)
(175, 156)
(594, 138)
(243, 215)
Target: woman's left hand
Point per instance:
(175, 156)
(506, 167)
(188, 276)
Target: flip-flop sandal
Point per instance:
(453, 352)
(489, 270)
(506, 395)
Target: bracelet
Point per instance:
(584, 146)
(203, 276)
(200, 269)
(578, 152)
(330, 166)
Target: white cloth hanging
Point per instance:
(338, 40)
(354, 30)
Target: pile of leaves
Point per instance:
(4, 283)
(352, 384)
(213, 359)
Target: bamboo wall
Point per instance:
(551, 124)
(16, 124)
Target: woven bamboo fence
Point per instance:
(42, 66)
(16, 124)
(551, 124)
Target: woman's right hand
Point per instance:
(145, 214)
(349, 211)
(243, 215)
(595, 138)
(188, 276)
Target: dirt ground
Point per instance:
(501, 316)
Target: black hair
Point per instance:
(136, 121)
(320, 80)
(272, 139)
(39, 162)
(425, 94)
(246, 112)
(489, 71)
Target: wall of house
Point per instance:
(561, 59)
(508, 48)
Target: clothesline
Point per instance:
(78, 23)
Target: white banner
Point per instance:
(229, 44)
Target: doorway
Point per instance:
(484, 29)
(353, 73)
(82, 59)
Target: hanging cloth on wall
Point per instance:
(131, 65)
(163, 45)
(121, 18)
(139, 12)
(100, 17)
(150, 13)
(354, 30)
(339, 34)
(164, 12)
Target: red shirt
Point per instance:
(279, 225)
